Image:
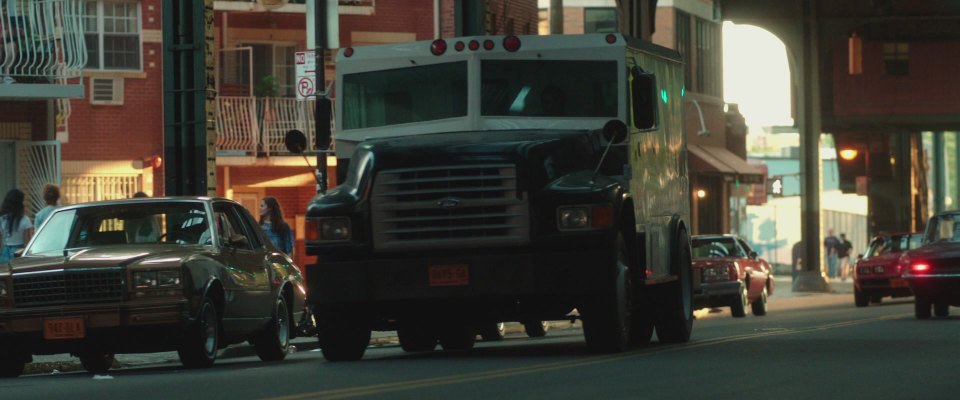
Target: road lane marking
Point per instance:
(383, 388)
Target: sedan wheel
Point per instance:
(921, 308)
(273, 342)
(491, 332)
(739, 307)
(759, 307)
(536, 328)
(941, 309)
(860, 298)
(96, 362)
(198, 348)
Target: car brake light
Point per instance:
(920, 267)
(511, 43)
(438, 47)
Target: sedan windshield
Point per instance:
(715, 248)
(122, 224)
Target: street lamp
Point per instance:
(850, 154)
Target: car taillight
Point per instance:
(920, 267)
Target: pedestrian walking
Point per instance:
(830, 246)
(843, 254)
(15, 227)
(51, 197)
(796, 259)
(271, 220)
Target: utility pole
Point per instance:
(322, 111)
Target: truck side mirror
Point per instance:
(643, 93)
(295, 141)
(614, 131)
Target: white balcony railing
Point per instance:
(257, 126)
(42, 38)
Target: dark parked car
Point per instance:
(731, 275)
(146, 275)
(933, 270)
(876, 273)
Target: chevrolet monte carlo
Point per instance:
(191, 274)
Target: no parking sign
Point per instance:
(306, 63)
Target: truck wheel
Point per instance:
(457, 336)
(272, 343)
(860, 298)
(96, 362)
(606, 322)
(674, 318)
(416, 336)
(198, 348)
(921, 308)
(739, 307)
(536, 328)
(492, 332)
(343, 337)
(759, 307)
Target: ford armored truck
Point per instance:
(517, 178)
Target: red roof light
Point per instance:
(611, 38)
(438, 47)
(474, 45)
(511, 43)
(348, 52)
(458, 46)
(488, 44)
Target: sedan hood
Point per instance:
(147, 256)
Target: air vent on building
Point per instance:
(106, 91)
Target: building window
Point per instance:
(708, 62)
(600, 20)
(273, 69)
(112, 33)
(896, 58)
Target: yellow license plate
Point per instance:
(449, 275)
(63, 328)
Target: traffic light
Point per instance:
(775, 186)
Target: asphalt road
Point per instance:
(808, 346)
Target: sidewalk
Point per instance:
(784, 287)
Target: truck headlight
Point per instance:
(573, 218)
(335, 229)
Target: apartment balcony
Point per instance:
(41, 48)
(346, 7)
(251, 128)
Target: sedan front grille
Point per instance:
(72, 286)
(449, 207)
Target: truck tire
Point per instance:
(457, 336)
(342, 336)
(492, 332)
(674, 318)
(607, 317)
(416, 336)
(536, 328)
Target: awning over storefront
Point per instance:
(718, 160)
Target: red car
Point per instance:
(731, 275)
(933, 270)
(877, 272)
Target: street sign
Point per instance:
(776, 186)
(306, 68)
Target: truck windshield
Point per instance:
(404, 95)
(557, 88)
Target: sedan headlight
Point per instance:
(335, 229)
(163, 279)
(716, 273)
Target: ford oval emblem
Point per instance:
(448, 203)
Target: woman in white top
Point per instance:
(15, 228)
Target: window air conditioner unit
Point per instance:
(106, 91)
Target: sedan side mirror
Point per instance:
(753, 255)
(237, 240)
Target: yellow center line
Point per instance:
(559, 365)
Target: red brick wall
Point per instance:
(523, 13)
(930, 88)
(131, 131)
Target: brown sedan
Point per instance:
(145, 275)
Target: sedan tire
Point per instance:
(739, 307)
(272, 344)
(860, 298)
(536, 328)
(199, 345)
(759, 307)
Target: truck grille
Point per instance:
(449, 207)
(88, 285)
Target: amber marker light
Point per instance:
(601, 216)
(848, 154)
